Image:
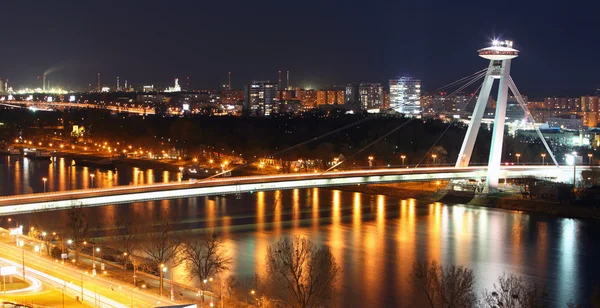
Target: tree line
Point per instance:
(259, 136)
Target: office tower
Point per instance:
(405, 95)
(260, 98)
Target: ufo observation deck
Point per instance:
(500, 50)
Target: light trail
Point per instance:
(68, 287)
(20, 204)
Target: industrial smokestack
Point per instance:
(288, 79)
(98, 82)
(229, 81)
(118, 86)
(44, 83)
(280, 78)
(126, 88)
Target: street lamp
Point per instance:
(92, 177)
(94, 250)
(590, 159)
(22, 245)
(162, 271)
(434, 156)
(370, 161)
(518, 155)
(543, 158)
(44, 179)
(572, 160)
(180, 173)
(403, 158)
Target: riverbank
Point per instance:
(515, 203)
(428, 192)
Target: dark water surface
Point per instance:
(375, 239)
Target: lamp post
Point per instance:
(572, 160)
(590, 159)
(22, 245)
(543, 158)
(92, 177)
(44, 179)
(518, 155)
(69, 242)
(180, 173)
(94, 250)
(403, 157)
(370, 161)
(434, 156)
(162, 271)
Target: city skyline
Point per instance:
(75, 41)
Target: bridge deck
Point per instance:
(220, 186)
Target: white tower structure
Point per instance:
(500, 55)
(176, 88)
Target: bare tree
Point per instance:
(300, 273)
(253, 288)
(77, 226)
(127, 237)
(230, 284)
(513, 291)
(444, 287)
(205, 257)
(161, 245)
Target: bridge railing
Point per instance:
(174, 184)
(134, 188)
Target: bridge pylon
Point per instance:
(500, 55)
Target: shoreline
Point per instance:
(505, 202)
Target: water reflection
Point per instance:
(375, 239)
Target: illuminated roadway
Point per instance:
(47, 106)
(20, 204)
(97, 291)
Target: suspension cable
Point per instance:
(358, 122)
(372, 143)
(459, 80)
(447, 127)
(470, 82)
(515, 90)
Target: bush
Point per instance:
(56, 252)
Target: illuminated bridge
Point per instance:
(50, 106)
(21, 204)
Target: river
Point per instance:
(375, 239)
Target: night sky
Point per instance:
(322, 43)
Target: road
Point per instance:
(98, 291)
(48, 106)
(21, 204)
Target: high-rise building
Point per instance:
(405, 95)
(371, 96)
(386, 100)
(564, 103)
(330, 97)
(308, 98)
(260, 98)
(352, 97)
(589, 103)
